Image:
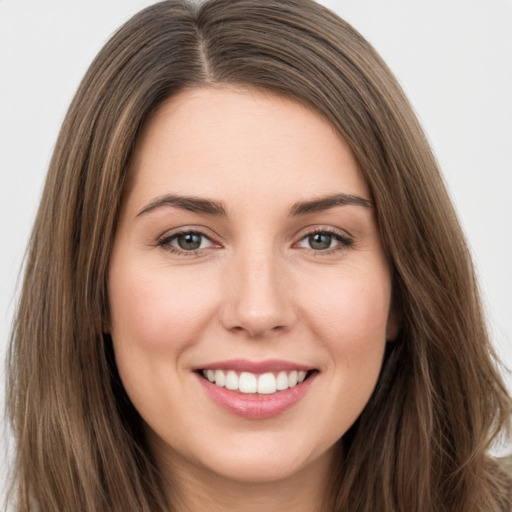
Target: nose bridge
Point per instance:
(257, 300)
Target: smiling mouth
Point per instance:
(253, 383)
(256, 390)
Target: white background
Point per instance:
(453, 57)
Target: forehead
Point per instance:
(218, 141)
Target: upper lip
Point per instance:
(245, 365)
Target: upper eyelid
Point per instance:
(185, 230)
(298, 234)
(179, 233)
(303, 232)
(345, 241)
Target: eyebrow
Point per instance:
(211, 207)
(189, 203)
(325, 203)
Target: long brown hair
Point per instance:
(421, 443)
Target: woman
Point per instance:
(246, 287)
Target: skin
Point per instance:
(255, 290)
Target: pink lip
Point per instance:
(244, 365)
(254, 406)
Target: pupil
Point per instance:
(320, 241)
(189, 241)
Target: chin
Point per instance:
(264, 463)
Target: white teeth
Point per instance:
(267, 384)
(247, 382)
(282, 381)
(232, 380)
(220, 378)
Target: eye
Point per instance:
(186, 242)
(325, 240)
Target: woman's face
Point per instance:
(246, 253)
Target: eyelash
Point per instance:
(165, 242)
(344, 242)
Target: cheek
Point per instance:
(158, 309)
(157, 314)
(349, 318)
(353, 310)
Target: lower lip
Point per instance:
(253, 406)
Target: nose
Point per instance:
(257, 298)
